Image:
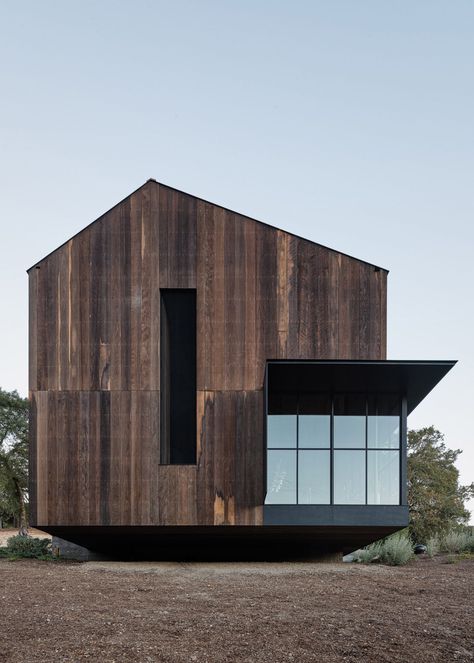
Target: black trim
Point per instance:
(341, 515)
(178, 376)
(403, 454)
(332, 450)
(232, 542)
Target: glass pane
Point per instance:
(383, 432)
(281, 477)
(314, 430)
(314, 470)
(383, 485)
(349, 421)
(349, 477)
(349, 432)
(281, 431)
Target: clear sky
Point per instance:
(350, 123)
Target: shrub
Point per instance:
(457, 541)
(366, 555)
(28, 546)
(470, 543)
(433, 546)
(395, 550)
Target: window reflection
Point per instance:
(349, 432)
(383, 477)
(349, 477)
(349, 421)
(383, 432)
(383, 424)
(281, 477)
(314, 430)
(281, 431)
(314, 477)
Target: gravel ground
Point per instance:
(219, 613)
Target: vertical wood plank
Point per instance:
(104, 457)
(95, 472)
(365, 311)
(33, 330)
(52, 462)
(205, 457)
(84, 433)
(266, 300)
(32, 460)
(136, 237)
(204, 294)
(249, 459)
(42, 457)
(150, 294)
(381, 314)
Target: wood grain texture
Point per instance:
(94, 356)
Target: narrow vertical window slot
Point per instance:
(178, 377)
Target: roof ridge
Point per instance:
(207, 202)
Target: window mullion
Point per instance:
(366, 447)
(297, 447)
(331, 452)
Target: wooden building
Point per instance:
(198, 377)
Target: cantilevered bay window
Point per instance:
(342, 448)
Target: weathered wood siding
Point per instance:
(94, 356)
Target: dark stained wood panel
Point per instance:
(266, 293)
(177, 215)
(32, 459)
(210, 297)
(177, 494)
(230, 486)
(94, 372)
(100, 465)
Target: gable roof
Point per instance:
(263, 223)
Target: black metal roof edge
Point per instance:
(269, 225)
(207, 202)
(370, 362)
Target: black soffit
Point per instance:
(414, 378)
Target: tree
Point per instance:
(436, 500)
(13, 457)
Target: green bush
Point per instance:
(28, 546)
(433, 546)
(457, 541)
(470, 543)
(366, 555)
(395, 550)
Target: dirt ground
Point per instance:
(211, 613)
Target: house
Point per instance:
(201, 381)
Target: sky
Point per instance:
(349, 123)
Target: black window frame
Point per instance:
(401, 449)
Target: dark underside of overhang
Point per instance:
(222, 542)
(412, 379)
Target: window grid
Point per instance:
(366, 449)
